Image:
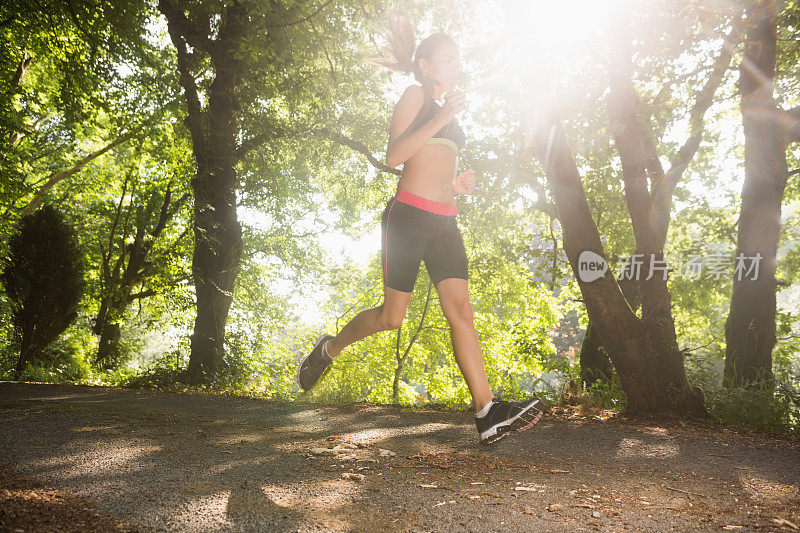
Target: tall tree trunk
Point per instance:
(218, 234)
(645, 355)
(750, 327)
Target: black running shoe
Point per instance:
(314, 364)
(506, 416)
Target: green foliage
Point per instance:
(161, 374)
(600, 394)
(773, 408)
(65, 361)
(607, 394)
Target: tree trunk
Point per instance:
(108, 350)
(215, 264)
(645, 355)
(595, 363)
(217, 232)
(23, 358)
(30, 351)
(107, 326)
(750, 327)
(118, 281)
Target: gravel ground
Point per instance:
(74, 458)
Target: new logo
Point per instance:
(591, 266)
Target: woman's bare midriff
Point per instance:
(429, 173)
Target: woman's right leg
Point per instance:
(401, 253)
(388, 315)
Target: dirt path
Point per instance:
(145, 460)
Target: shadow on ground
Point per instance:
(150, 460)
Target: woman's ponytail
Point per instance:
(399, 53)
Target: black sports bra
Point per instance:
(451, 134)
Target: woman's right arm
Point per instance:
(401, 147)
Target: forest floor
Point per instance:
(76, 458)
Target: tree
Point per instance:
(217, 232)
(768, 129)
(257, 67)
(43, 277)
(644, 350)
(127, 263)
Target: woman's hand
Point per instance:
(464, 183)
(454, 102)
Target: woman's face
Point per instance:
(443, 66)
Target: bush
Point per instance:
(772, 408)
(43, 279)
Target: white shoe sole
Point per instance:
(491, 434)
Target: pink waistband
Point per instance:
(439, 208)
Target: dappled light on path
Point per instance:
(198, 462)
(637, 447)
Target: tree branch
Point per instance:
(304, 19)
(789, 121)
(357, 146)
(178, 22)
(628, 134)
(257, 140)
(664, 184)
(194, 110)
(153, 292)
(56, 177)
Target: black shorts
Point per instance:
(415, 228)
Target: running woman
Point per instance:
(419, 222)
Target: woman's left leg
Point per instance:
(457, 308)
